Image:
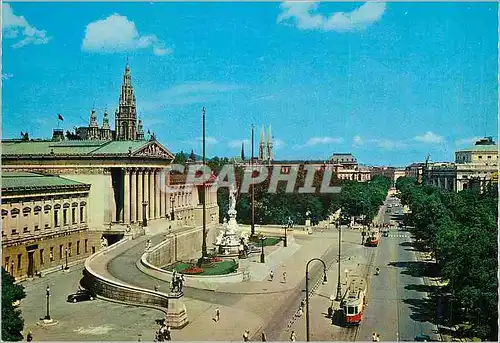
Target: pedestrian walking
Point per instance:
(284, 277)
(300, 312)
(374, 337)
(263, 337)
(293, 338)
(217, 314)
(378, 337)
(302, 303)
(271, 276)
(168, 336)
(29, 337)
(246, 335)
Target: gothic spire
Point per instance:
(262, 144)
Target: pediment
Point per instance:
(154, 149)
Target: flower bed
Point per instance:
(216, 259)
(193, 270)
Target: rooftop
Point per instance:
(26, 180)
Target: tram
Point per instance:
(372, 239)
(354, 301)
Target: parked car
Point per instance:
(81, 295)
(423, 338)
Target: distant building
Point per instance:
(474, 168)
(383, 171)
(415, 171)
(127, 126)
(266, 154)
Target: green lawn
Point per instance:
(268, 241)
(220, 268)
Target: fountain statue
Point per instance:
(229, 241)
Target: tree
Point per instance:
(180, 158)
(12, 322)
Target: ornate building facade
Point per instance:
(128, 180)
(474, 168)
(44, 223)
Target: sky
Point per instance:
(388, 82)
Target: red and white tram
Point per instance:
(373, 238)
(354, 301)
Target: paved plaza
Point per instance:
(258, 305)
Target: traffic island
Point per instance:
(47, 322)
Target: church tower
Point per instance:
(262, 145)
(93, 132)
(105, 129)
(126, 116)
(270, 146)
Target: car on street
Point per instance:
(81, 295)
(423, 338)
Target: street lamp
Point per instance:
(307, 290)
(339, 287)
(172, 214)
(144, 214)
(47, 316)
(66, 257)
(285, 244)
(262, 257)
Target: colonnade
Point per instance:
(148, 187)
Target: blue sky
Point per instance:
(389, 82)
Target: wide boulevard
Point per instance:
(391, 294)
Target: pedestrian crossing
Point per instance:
(399, 236)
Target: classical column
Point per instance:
(146, 191)
(151, 200)
(126, 196)
(111, 202)
(162, 193)
(140, 189)
(133, 195)
(157, 193)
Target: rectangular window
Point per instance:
(86, 246)
(46, 226)
(480, 157)
(69, 249)
(489, 157)
(51, 254)
(41, 256)
(7, 260)
(56, 218)
(82, 219)
(65, 216)
(25, 230)
(19, 260)
(60, 251)
(78, 247)
(14, 231)
(37, 228)
(73, 215)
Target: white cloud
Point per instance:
(237, 143)
(7, 76)
(199, 92)
(430, 137)
(118, 34)
(302, 15)
(357, 141)
(467, 141)
(208, 140)
(388, 144)
(322, 140)
(278, 143)
(17, 27)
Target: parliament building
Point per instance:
(60, 197)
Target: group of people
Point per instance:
(177, 282)
(271, 276)
(163, 334)
(376, 337)
(246, 336)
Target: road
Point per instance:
(389, 311)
